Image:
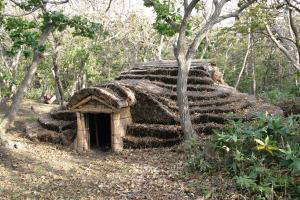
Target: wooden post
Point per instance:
(116, 132)
(82, 133)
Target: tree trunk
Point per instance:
(84, 80)
(205, 48)
(73, 88)
(182, 98)
(294, 62)
(10, 117)
(15, 63)
(59, 88)
(160, 47)
(3, 104)
(253, 80)
(42, 96)
(184, 55)
(245, 58)
(295, 33)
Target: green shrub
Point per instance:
(276, 95)
(262, 156)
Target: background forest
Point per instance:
(243, 50)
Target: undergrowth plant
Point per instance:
(261, 156)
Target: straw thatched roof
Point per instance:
(149, 89)
(114, 95)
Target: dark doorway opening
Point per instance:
(100, 130)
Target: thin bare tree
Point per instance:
(249, 47)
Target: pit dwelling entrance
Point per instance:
(99, 130)
(100, 125)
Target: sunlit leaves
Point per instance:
(268, 170)
(82, 26)
(57, 19)
(168, 16)
(265, 146)
(19, 24)
(23, 33)
(26, 33)
(259, 13)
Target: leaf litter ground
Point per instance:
(36, 170)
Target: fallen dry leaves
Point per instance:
(36, 170)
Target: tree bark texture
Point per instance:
(160, 48)
(182, 98)
(56, 73)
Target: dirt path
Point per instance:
(41, 170)
(36, 170)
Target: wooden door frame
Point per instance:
(83, 135)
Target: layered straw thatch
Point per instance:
(149, 89)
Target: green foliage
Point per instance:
(274, 79)
(168, 17)
(198, 163)
(276, 95)
(23, 33)
(30, 5)
(82, 26)
(56, 19)
(258, 14)
(263, 156)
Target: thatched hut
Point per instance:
(139, 108)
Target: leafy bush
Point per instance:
(262, 156)
(276, 95)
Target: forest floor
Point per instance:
(36, 170)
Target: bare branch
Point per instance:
(15, 2)
(185, 4)
(184, 22)
(237, 12)
(190, 7)
(279, 36)
(214, 19)
(55, 2)
(282, 48)
(293, 6)
(249, 48)
(215, 2)
(108, 7)
(210, 22)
